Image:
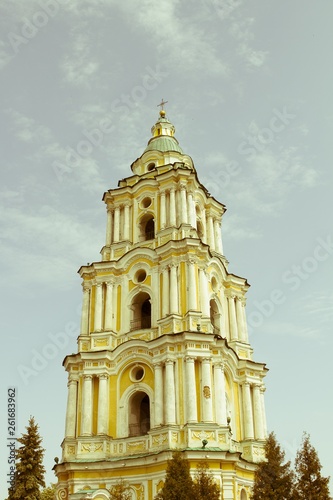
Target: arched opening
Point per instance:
(214, 317)
(200, 229)
(147, 228)
(141, 311)
(243, 495)
(139, 414)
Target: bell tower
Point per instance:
(164, 360)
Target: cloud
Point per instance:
(241, 31)
(185, 45)
(44, 245)
(79, 66)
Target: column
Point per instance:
(172, 201)
(183, 204)
(247, 411)
(98, 307)
(85, 311)
(173, 290)
(232, 318)
(191, 210)
(70, 430)
(86, 422)
(240, 318)
(210, 227)
(116, 224)
(206, 390)
(204, 297)
(245, 331)
(217, 236)
(103, 404)
(257, 410)
(126, 222)
(109, 226)
(162, 210)
(263, 409)
(190, 387)
(192, 286)
(158, 394)
(165, 292)
(220, 399)
(109, 306)
(169, 393)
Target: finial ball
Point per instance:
(162, 113)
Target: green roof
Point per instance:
(163, 143)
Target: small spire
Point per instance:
(162, 110)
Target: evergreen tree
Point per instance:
(309, 485)
(48, 493)
(29, 466)
(273, 479)
(120, 491)
(204, 486)
(178, 482)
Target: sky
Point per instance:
(249, 88)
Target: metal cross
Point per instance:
(162, 104)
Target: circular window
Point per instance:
(137, 373)
(214, 284)
(140, 276)
(146, 202)
(150, 167)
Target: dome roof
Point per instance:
(163, 136)
(163, 143)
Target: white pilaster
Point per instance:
(247, 411)
(192, 286)
(190, 387)
(217, 236)
(169, 393)
(257, 410)
(86, 420)
(220, 399)
(206, 390)
(173, 290)
(85, 311)
(183, 204)
(172, 201)
(103, 404)
(191, 209)
(70, 430)
(232, 318)
(163, 210)
(165, 292)
(109, 306)
(159, 394)
(126, 222)
(116, 225)
(245, 332)
(98, 307)
(109, 226)
(204, 296)
(263, 409)
(211, 239)
(240, 319)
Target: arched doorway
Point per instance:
(214, 317)
(141, 311)
(147, 228)
(139, 414)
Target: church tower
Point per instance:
(164, 361)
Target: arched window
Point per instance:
(139, 414)
(147, 228)
(243, 495)
(141, 311)
(214, 317)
